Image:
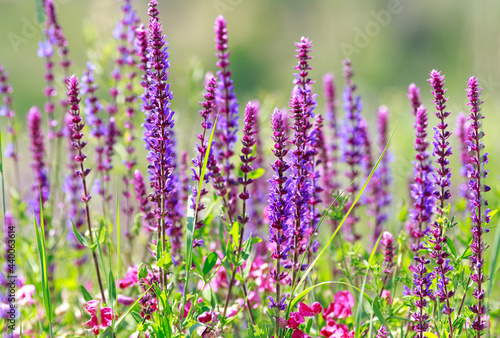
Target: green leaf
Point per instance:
(257, 173)
(451, 245)
(111, 286)
(235, 233)
(108, 333)
(137, 317)
(210, 262)
(40, 238)
(165, 261)
(193, 329)
(430, 335)
(86, 295)
(142, 272)
(82, 240)
(246, 250)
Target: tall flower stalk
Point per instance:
(442, 150)
(77, 125)
(38, 165)
(330, 178)
(157, 135)
(248, 141)
(279, 210)
(228, 109)
(422, 193)
(353, 142)
(301, 183)
(480, 213)
(7, 110)
(209, 107)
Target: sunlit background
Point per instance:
(391, 43)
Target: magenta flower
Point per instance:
(389, 245)
(314, 310)
(341, 307)
(414, 97)
(295, 320)
(106, 317)
(24, 296)
(382, 332)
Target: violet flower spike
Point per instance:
(7, 110)
(209, 105)
(248, 141)
(422, 190)
(414, 97)
(331, 180)
(480, 213)
(422, 283)
(383, 173)
(228, 109)
(77, 125)
(72, 187)
(462, 132)
(157, 133)
(442, 151)
(352, 144)
(41, 187)
(301, 184)
(148, 217)
(280, 206)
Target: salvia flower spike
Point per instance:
(480, 212)
(442, 151)
(77, 125)
(280, 204)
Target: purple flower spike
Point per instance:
(302, 81)
(143, 202)
(7, 110)
(462, 132)
(228, 109)
(301, 183)
(280, 212)
(37, 147)
(353, 141)
(414, 97)
(389, 245)
(382, 175)
(76, 136)
(382, 332)
(480, 210)
(209, 107)
(442, 150)
(423, 188)
(159, 124)
(422, 283)
(331, 176)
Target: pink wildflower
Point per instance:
(130, 278)
(299, 334)
(387, 296)
(307, 311)
(24, 295)
(106, 317)
(124, 300)
(341, 306)
(295, 320)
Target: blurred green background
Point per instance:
(392, 43)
